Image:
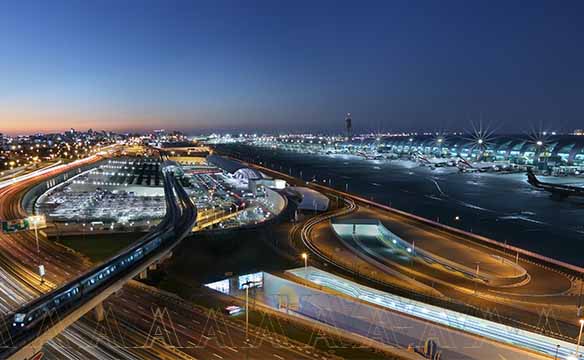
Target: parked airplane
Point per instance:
(483, 166)
(559, 190)
(433, 162)
(370, 156)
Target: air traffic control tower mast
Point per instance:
(349, 127)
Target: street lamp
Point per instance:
(579, 337)
(247, 312)
(305, 257)
(35, 220)
(247, 285)
(478, 269)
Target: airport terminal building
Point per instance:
(566, 149)
(562, 154)
(553, 151)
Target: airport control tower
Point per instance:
(349, 127)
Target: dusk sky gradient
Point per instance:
(290, 66)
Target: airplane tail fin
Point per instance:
(532, 179)
(463, 162)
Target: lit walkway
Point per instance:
(461, 325)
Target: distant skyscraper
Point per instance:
(349, 126)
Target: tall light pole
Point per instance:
(247, 285)
(477, 277)
(247, 312)
(579, 337)
(305, 257)
(35, 221)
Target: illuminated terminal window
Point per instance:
(254, 280)
(221, 286)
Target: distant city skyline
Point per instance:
(270, 67)
(341, 132)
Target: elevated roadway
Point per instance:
(27, 328)
(20, 281)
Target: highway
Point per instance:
(29, 321)
(49, 170)
(20, 283)
(131, 308)
(200, 332)
(11, 174)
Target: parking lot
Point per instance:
(127, 192)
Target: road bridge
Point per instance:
(24, 331)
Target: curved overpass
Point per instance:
(28, 328)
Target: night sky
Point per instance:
(291, 66)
